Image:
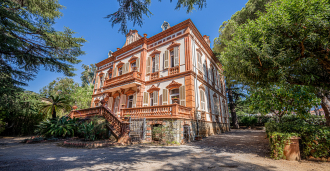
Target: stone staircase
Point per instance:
(118, 127)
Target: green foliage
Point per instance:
(29, 40)
(133, 10)
(53, 105)
(277, 142)
(315, 139)
(288, 43)
(58, 127)
(88, 75)
(19, 112)
(284, 99)
(94, 129)
(249, 121)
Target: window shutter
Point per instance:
(148, 65)
(103, 80)
(165, 95)
(134, 100)
(182, 92)
(202, 100)
(176, 56)
(200, 62)
(110, 103)
(156, 62)
(124, 99)
(166, 60)
(145, 99)
(155, 94)
(114, 72)
(138, 64)
(127, 67)
(96, 82)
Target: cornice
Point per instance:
(173, 44)
(153, 88)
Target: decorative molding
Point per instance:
(130, 92)
(153, 88)
(132, 59)
(155, 52)
(122, 91)
(97, 100)
(173, 45)
(202, 87)
(173, 85)
(199, 50)
(120, 64)
(101, 74)
(116, 94)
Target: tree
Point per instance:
(133, 10)
(65, 87)
(284, 99)
(54, 105)
(288, 42)
(28, 40)
(88, 75)
(82, 96)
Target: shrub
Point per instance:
(249, 120)
(94, 129)
(58, 127)
(315, 139)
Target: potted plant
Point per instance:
(176, 99)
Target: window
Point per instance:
(130, 101)
(202, 93)
(151, 99)
(120, 71)
(200, 62)
(133, 66)
(110, 75)
(175, 96)
(172, 58)
(153, 65)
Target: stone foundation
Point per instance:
(181, 131)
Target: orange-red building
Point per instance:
(171, 75)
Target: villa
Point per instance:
(172, 77)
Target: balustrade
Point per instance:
(154, 75)
(163, 111)
(173, 70)
(125, 77)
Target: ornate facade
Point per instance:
(171, 75)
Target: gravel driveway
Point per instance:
(235, 150)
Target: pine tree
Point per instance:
(29, 41)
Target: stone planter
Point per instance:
(291, 149)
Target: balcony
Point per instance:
(127, 78)
(163, 111)
(173, 70)
(154, 75)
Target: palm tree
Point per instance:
(54, 104)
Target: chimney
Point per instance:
(207, 39)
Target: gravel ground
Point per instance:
(235, 150)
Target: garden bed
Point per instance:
(38, 139)
(81, 143)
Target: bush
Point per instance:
(58, 127)
(249, 120)
(94, 129)
(315, 139)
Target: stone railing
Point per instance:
(122, 78)
(163, 111)
(173, 70)
(154, 75)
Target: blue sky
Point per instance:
(86, 17)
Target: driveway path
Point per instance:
(235, 150)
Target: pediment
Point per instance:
(173, 85)
(130, 91)
(153, 88)
(202, 87)
(120, 64)
(155, 52)
(133, 58)
(174, 44)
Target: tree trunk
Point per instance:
(326, 107)
(232, 107)
(54, 112)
